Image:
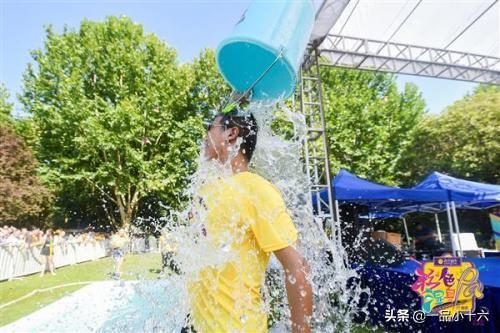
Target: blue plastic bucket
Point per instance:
(266, 29)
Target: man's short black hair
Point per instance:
(248, 129)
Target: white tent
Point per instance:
(439, 38)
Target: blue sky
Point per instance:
(189, 26)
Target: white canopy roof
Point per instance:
(457, 39)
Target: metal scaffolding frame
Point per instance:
(310, 102)
(375, 55)
(384, 56)
(426, 62)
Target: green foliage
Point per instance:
(116, 122)
(208, 89)
(462, 141)
(369, 123)
(23, 127)
(5, 106)
(110, 105)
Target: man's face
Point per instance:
(216, 141)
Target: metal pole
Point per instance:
(316, 157)
(454, 210)
(438, 228)
(337, 217)
(319, 88)
(406, 231)
(450, 225)
(306, 150)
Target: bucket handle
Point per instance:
(248, 91)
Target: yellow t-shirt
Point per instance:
(247, 215)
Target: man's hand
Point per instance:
(298, 288)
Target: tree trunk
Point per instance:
(127, 206)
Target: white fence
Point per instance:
(18, 260)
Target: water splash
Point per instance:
(336, 288)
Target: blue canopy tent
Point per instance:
(348, 187)
(436, 193)
(464, 193)
(379, 198)
(383, 215)
(461, 193)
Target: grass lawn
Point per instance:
(135, 266)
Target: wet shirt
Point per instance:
(246, 217)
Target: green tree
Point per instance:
(24, 127)
(110, 105)
(5, 106)
(369, 123)
(23, 197)
(462, 141)
(208, 90)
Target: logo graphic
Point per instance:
(448, 286)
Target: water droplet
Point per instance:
(226, 247)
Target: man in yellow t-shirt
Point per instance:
(247, 218)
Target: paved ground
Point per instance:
(109, 306)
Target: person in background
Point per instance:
(27, 238)
(47, 252)
(60, 238)
(167, 250)
(425, 239)
(36, 237)
(118, 243)
(495, 226)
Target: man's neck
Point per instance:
(239, 164)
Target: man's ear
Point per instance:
(233, 134)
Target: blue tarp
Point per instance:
(383, 215)
(463, 192)
(348, 187)
(429, 195)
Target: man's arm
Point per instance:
(298, 288)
